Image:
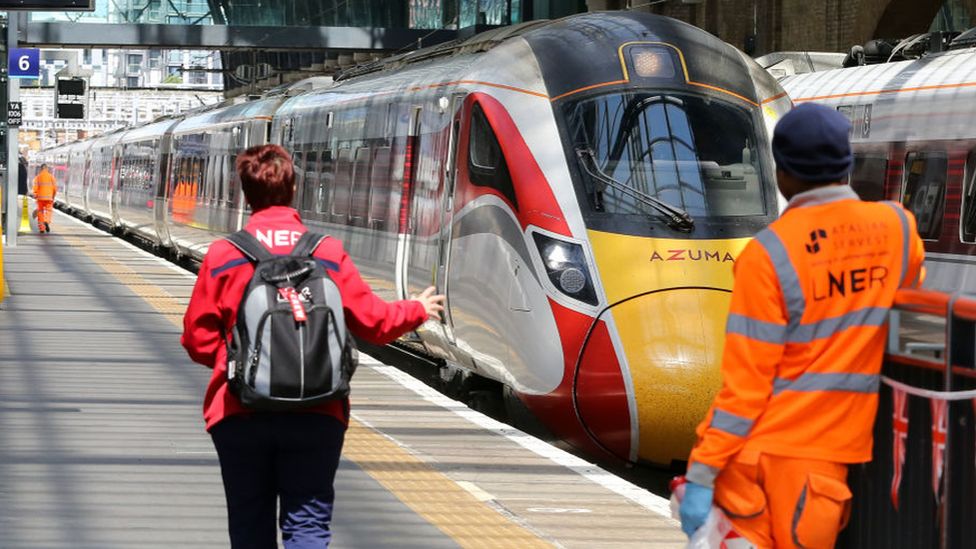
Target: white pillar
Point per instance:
(13, 94)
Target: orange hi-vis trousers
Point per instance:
(780, 502)
(44, 209)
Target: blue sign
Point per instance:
(24, 63)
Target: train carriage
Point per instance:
(143, 154)
(73, 182)
(101, 175)
(201, 199)
(914, 141)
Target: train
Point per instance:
(578, 188)
(913, 133)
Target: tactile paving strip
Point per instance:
(441, 501)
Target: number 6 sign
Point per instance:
(24, 63)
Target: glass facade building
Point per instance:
(416, 14)
(183, 12)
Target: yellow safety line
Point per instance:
(428, 492)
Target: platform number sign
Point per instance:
(15, 113)
(24, 63)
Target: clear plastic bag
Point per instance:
(716, 533)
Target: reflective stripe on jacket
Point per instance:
(806, 331)
(44, 186)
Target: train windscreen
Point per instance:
(642, 153)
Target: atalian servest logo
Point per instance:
(815, 236)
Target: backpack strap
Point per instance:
(307, 244)
(249, 246)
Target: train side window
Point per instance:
(924, 195)
(298, 159)
(868, 176)
(234, 181)
(326, 179)
(310, 186)
(343, 181)
(218, 173)
(968, 221)
(486, 163)
(359, 197)
(381, 186)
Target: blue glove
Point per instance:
(695, 507)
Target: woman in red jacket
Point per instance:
(293, 456)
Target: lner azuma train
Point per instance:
(578, 188)
(914, 140)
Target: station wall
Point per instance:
(763, 26)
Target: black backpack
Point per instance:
(289, 347)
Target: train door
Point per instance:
(124, 155)
(447, 213)
(161, 196)
(426, 258)
(404, 219)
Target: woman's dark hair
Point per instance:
(267, 176)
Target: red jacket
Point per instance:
(220, 286)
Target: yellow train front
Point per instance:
(666, 136)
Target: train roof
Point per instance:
(480, 42)
(573, 55)
(153, 130)
(951, 70)
(932, 98)
(580, 41)
(258, 109)
(108, 139)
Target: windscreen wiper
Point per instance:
(677, 218)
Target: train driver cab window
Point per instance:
(924, 195)
(868, 176)
(645, 153)
(486, 163)
(968, 222)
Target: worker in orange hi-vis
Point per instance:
(45, 188)
(804, 344)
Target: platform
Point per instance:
(102, 442)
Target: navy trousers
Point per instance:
(267, 456)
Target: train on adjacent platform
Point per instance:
(578, 188)
(914, 140)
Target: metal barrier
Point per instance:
(920, 489)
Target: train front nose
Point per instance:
(671, 341)
(667, 306)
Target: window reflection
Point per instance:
(925, 181)
(692, 152)
(969, 200)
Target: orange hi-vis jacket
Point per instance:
(45, 187)
(806, 332)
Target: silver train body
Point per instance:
(914, 140)
(511, 171)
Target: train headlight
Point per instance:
(652, 61)
(572, 280)
(565, 265)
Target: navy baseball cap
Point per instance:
(812, 143)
